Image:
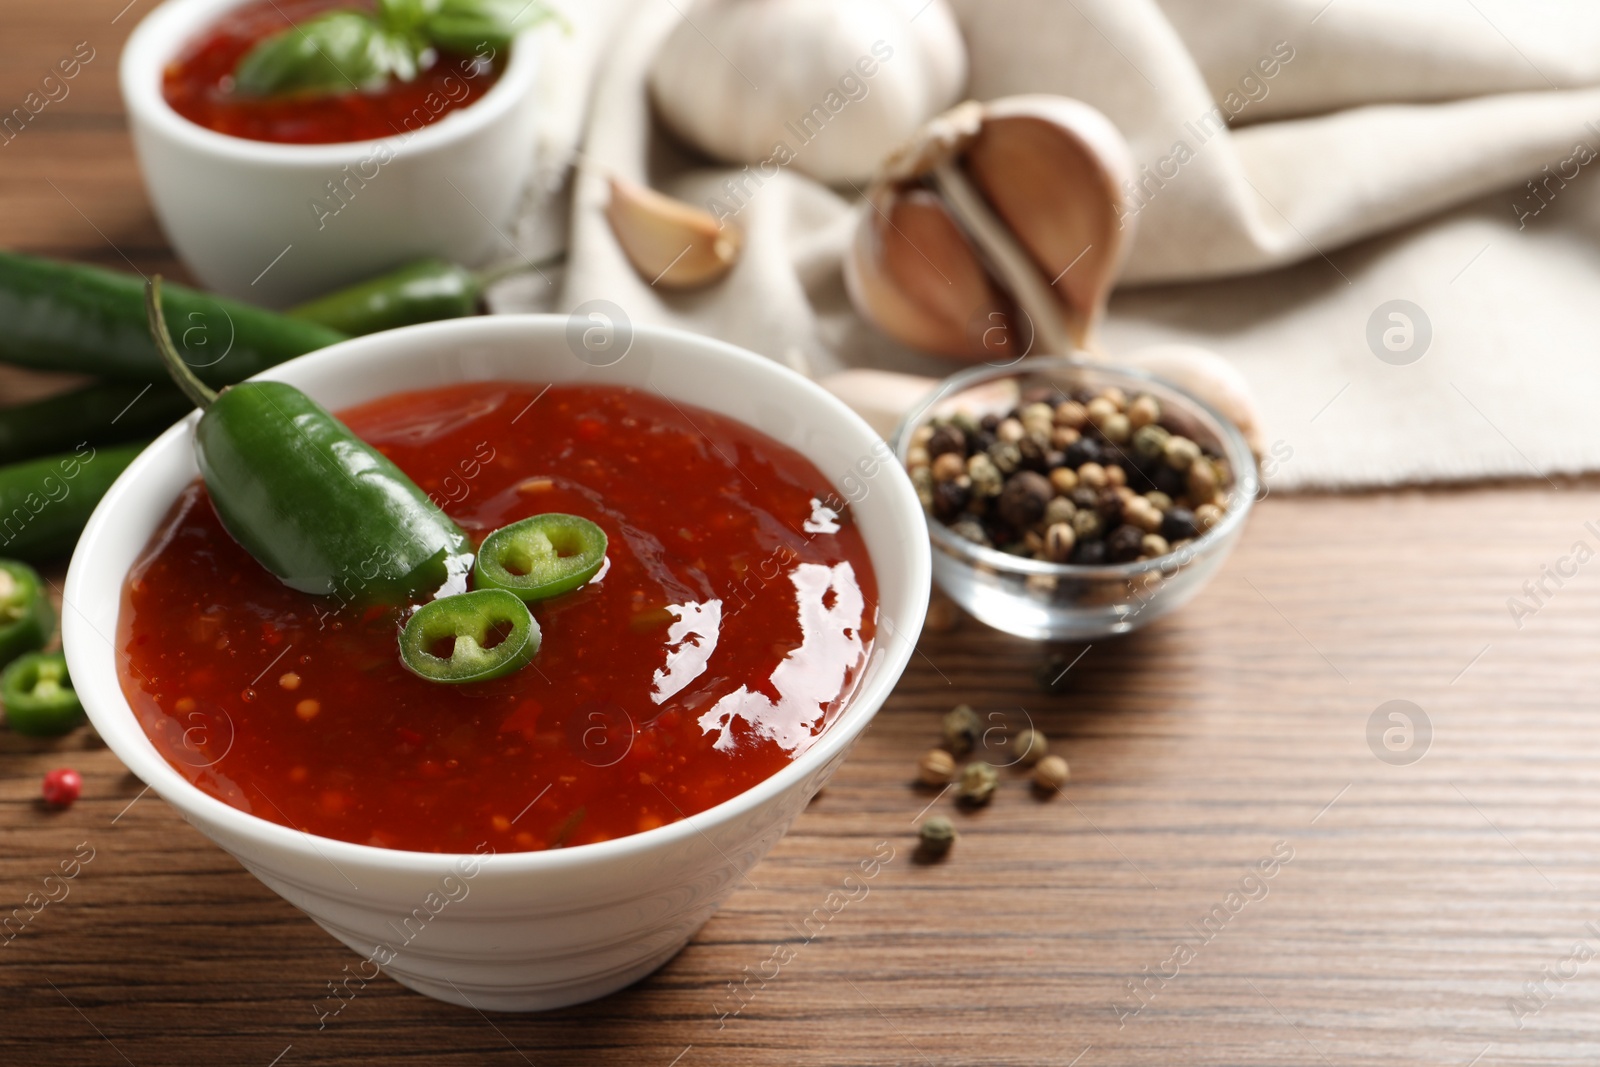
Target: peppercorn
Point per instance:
(1116, 428)
(1124, 543)
(1161, 500)
(948, 466)
(1051, 773)
(922, 482)
(1099, 410)
(1108, 505)
(917, 456)
(986, 478)
(1139, 512)
(922, 435)
(1034, 453)
(1038, 418)
(1116, 477)
(1154, 545)
(1063, 480)
(982, 441)
(1084, 450)
(1180, 452)
(947, 439)
(1143, 411)
(1023, 500)
(1010, 431)
(1206, 516)
(1060, 509)
(978, 783)
(989, 422)
(1087, 524)
(1071, 414)
(936, 767)
(1202, 481)
(1089, 553)
(1062, 437)
(1118, 398)
(61, 787)
(1006, 456)
(1031, 747)
(1167, 480)
(1092, 475)
(961, 728)
(965, 423)
(1058, 542)
(970, 529)
(936, 835)
(1150, 440)
(950, 498)
(1084, 498)
(1178, 524)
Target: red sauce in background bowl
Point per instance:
(198, 85)
(729, 626)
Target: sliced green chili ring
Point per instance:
(26, 617)
(540, 557)
(469, 637)
(38, 696)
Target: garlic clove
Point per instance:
(1032, 187)
(1211, 378)
(1053, 170)
(915, 274)
(671, 244)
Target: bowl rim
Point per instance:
(112, 716)
(1240, 459)
(169, 27)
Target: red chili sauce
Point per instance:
(199, 85)
(730, 624)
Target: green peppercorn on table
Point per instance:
(1246, 866)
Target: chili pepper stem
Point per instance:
(193, 388)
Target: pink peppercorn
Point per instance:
(62, 787)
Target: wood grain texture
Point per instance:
(1418, 901)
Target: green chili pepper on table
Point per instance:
(45, 502)
(470, 637)
(313, 503)
(101, 414)
(542, 556)
(38, 696)
(71, 317)
(27, 618)
(421, 292)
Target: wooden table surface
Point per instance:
(1443, 911)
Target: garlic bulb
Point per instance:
(827, 86)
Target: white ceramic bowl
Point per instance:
(242, 216)
(530, 930)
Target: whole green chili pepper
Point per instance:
(313, 503)
(101, 414)
(425, 291)
(71, 317)
(45, 502)
(470, 637)
(421, 292)
(38, 696)
(27, 618)
(542, 556)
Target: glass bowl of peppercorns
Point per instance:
(1069, 500)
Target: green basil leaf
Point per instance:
(467, 25)
(336, 52)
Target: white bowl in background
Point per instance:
(240, 212)
(533, 930)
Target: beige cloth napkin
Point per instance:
(1386, 159)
